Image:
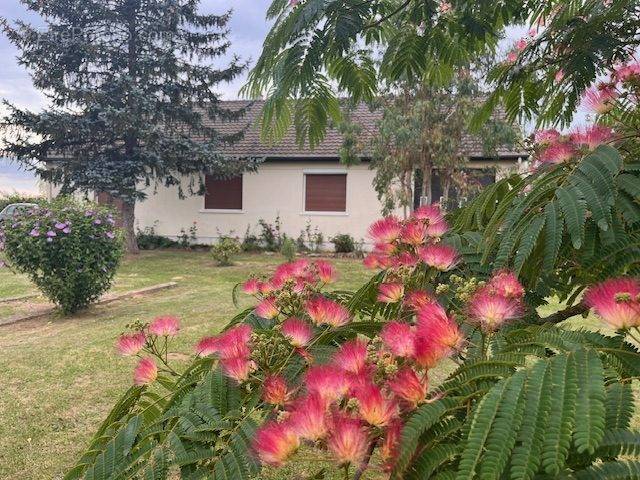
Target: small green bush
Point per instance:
(148, 239)
(224, 251)
(69, 249)
(343, 243)
(288, 249)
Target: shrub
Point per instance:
(343, 243)
(148, 239)
(69, 249)
(288, 249)
(224, 251)
(250, 242)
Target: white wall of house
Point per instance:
(277, 188)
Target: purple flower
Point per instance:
(66, 230)
(51, 233)
(61, 225)
(97, 221)
(111, 235)
(35, 232)
(89, 213)
(49, 240)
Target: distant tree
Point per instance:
(130, 84)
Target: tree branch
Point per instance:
(563, 315)
(365, 463)
(387, 17)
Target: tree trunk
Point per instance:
(427, 194)
(128, 225)
(445, 184)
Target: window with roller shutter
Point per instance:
(223, 194)
(325, 192)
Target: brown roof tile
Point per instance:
(251, 144)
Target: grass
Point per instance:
(61, 374)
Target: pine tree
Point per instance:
(130, 84)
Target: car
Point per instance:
(14, 209)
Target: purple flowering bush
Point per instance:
(69, 249)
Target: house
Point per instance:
(301, 187)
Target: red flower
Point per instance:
(251, 286)
(237, 368)
(326, 272)
(327, 381)
(374, 407)
(308, 417)
(398, 338)
(390, 292)
(408, 386)
(131, 344)
(297, 331)
(321, 310)
(275, 442)
(274, 390)
(267, 308)
(351, 357)
(145, 372)
(439, 256)
(166, 326)
(385, 230)
(348, 440)
(414, 233)
(418, 299)
(506, 284)
(600, 99)
(491, 311)
(616, 301)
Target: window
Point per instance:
(223, 194)
(325, 192)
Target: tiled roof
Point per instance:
(251, 144)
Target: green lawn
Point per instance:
(61, 375)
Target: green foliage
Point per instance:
(69, 249)
(343, 243)
(289, 249)
(148, 239)
(225, 249)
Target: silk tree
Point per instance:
(130, 84)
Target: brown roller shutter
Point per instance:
(223, 194)
(326, 193)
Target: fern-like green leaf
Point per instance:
(590, 401)
(575, 213)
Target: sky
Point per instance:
(248, 30)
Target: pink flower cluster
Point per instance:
(616, 301)
(410, 242)
(300, 278)
(145, 340)
(347, 406)
(552, 147)
(497, 303)
(233, 350)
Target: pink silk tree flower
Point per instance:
(398, 338)
(559, 152)
(616, 301)
(374, 407)
(309, 417)
(165, 326)
(130, 344)
(600, 99)
(405, 259)
(275, 390)
(389, 449)
(491, 311)
(439, 256)
(427, 351)
(546, 137)
(251, 286)
(351, 356)
(407, 385)
(237, 368)
(145, 372)
(390, 292)
(506, 284)
(326, 272)
(327, 381)
(275, 442)
(430, 213)
(207, 346)
(348, 440)
(418, 299)
(437, 230)
(267, 308)
(321, 310)
(232, 343)
(413, 233)
(592, 137)
(266, 288)
(628, 72)
(372, 261)
(434, 323)
(297, 331)
(385, 230)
